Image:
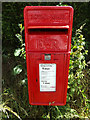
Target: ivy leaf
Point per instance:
(17, 52)
(17, 69)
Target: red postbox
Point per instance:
(48, 32)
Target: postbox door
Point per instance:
(55, 96)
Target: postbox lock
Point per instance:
(47, 56)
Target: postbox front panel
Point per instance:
(47, 93)
(48, 42)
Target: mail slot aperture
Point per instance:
(49, 39)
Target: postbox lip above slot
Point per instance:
(48, 8)
(48, 27)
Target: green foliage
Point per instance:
(4, 106)
(77, 84)
(17, 69)
(17, 52)
(20, 51)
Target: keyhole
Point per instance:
(36, 80)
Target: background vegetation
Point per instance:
(15, 102)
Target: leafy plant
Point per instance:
(5, 108)
(17, 69)
(20, 51)
(10, 105)
(77, 84)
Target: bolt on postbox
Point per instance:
(48, 31)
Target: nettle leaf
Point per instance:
(17, 52)
(17, 69)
